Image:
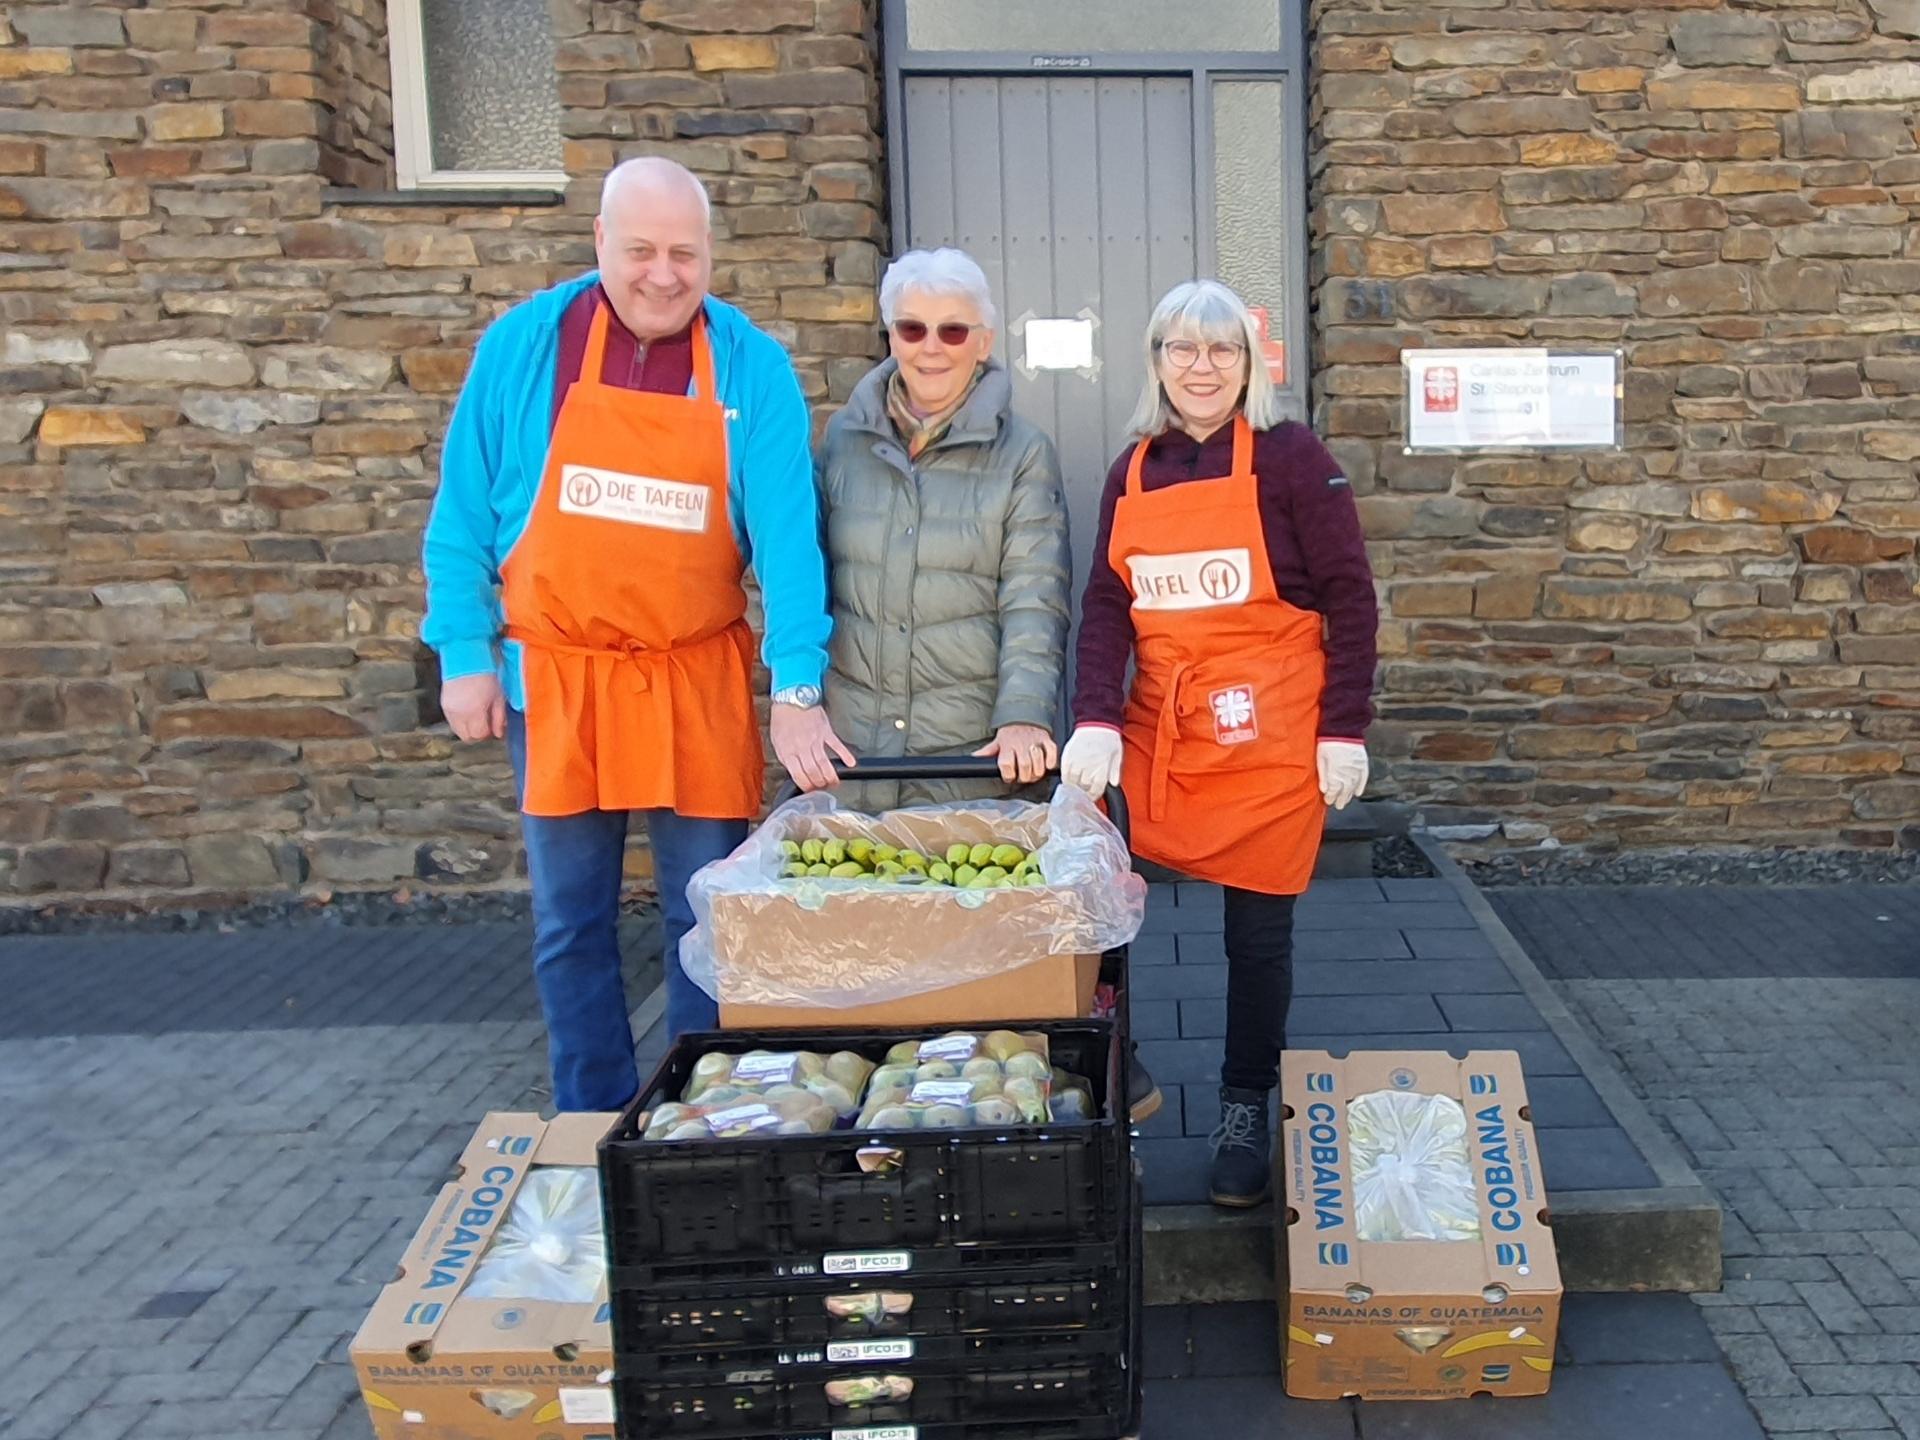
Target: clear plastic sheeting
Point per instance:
(764, 939)
(1411, 1176)
(551, 1246)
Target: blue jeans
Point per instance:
(574, 863)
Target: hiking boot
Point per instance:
(1242, 1144)
(1143, 1095)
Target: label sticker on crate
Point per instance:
(942, 1092)
(868, 1262)
(774, 1069)
(580, 1405)
(949, 1047)
(879, 1432)
(862, 1350)
(740, 1119)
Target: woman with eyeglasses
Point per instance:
(946, 532)
(1231, 570)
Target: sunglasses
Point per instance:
(952, 333)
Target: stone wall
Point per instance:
(224, 385)
(1712, 637)
(229, 358)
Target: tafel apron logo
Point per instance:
(1191, 580)
(634, 499)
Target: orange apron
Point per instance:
(625, 593)
(1222, 725)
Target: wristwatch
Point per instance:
(801, 697)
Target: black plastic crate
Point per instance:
(1067, 1427)
(1096, 1391)
(971, 1264)
(796, 1315)
(671, 1204)
(908, 1354)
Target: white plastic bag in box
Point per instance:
(1411, 1176)
(551, 1246)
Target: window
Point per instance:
(476, 96)
(1078, 25)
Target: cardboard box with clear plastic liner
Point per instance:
(811, 954)
(1476, 1312)
(438, 1362)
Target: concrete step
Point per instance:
(1607, 1240)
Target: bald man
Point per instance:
(624, 448)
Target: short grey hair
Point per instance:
(1203, 310)
(655, 170)
(945, 271)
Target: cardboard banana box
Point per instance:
(436, 1363)
(1473, 1309)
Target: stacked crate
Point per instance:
(735, 1264)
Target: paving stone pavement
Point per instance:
(1379, 964)
(1627, 1367)
(218, 1146)
(1773, 1031)
(209, 1184)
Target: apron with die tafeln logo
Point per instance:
(1221, 727)
(625, 594)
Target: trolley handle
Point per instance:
(953, 767)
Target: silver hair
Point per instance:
(655, 168)
(1203, 310)
(937, 272)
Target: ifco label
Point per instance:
(868, 1262)
(861, 1350)
(634, 499)
(879, 1432)
(1191, 579)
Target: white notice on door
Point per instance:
(634, 499)
(1191, 579)
(1059, 344)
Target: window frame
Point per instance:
(412, 124)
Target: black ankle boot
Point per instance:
(1143, 1095)
(1242, 1150)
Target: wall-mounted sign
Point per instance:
(1272, 351)
(1512, 399)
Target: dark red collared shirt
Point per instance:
(664, 367)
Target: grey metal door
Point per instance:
(1076, 195)
(1092, 154)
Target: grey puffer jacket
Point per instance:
(950, 577)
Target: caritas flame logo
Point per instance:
(1234, 719)
(1442, 394)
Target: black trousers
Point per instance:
(1259, 943)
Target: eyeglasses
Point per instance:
(1185, 354)
(952, 333)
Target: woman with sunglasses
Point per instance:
(1231, 570)
(946, 532)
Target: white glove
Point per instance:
(1091, 758)
(1343, 771)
